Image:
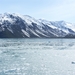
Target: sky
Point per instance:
(52, 10)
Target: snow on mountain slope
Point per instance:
(61, 25)
(6, 17)
(25, 33)
(16, 25)
(47, 23)
(71, 26)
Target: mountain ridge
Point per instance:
(25, 26)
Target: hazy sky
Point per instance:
(52, 10)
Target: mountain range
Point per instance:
(25, 26)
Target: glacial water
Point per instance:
(37, 56)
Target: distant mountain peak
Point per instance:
(25, 26)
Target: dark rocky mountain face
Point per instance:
(23, 26)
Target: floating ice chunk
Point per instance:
(73, 62)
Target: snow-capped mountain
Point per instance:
(24, 26)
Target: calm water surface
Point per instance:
(37, 56)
